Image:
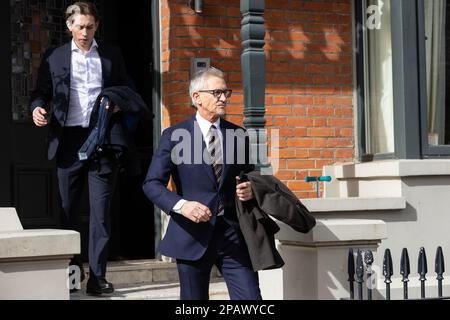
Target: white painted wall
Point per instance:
(412, 198)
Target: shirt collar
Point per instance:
(75, 47)
(205, 125)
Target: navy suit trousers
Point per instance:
(72, 175)
(226, 250)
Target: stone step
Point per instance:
(139, 272)
(156, 291)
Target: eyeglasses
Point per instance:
(217, 93)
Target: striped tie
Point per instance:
(215, 151)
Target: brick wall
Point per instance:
(309, 75)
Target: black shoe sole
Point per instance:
(98, 292)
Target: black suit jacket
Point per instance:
(53, 85)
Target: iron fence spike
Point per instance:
(368, 257)
(404, 265)
(422, 267)
(388, 269)
(360, 274)
(422, 270)
(359, 267)
(351, 265)
(368, 260)
(439, 264)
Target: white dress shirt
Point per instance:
(204, 125)
(85, 85)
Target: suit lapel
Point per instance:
(106, 64)
(61, 71)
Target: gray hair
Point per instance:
(199, 79)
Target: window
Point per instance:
(403, 60)
(375, 77)
(434, 62)
(379, 109)
(436, 43)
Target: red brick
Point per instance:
(302, 154)
(298, 185)
(300, 143)
(325, 111)
(327, 153)
(344, 153)
(340, 122)
(343, 112)
(320, 143)
(320, 122)
(322, 163)
(300, 122)
(299, 100)
(339, 101)
(339, 142)
(321, 132)
(286, 174)
(300, 164)
(279, 110)
(321, 69)
(299, 111)
(345, 132)
(286, 153)
(279, 100)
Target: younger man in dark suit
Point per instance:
(71, 77)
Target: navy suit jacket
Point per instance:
(194, 181)
(53, 85)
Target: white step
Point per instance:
(126, 273)
(155, 291)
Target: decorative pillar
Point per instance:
(253, 63)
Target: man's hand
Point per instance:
(244, 191)
(39, 117)
(196, 212)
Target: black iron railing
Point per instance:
(363, 270)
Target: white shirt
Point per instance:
(205, 127)
(86, 84)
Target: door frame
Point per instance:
(5, 115)
(156, 106)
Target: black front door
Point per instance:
(27, 179)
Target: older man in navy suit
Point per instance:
(71, 77)
(204, 155)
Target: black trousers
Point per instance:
(72, 175)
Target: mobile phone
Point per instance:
(241, 178)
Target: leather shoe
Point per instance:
(99, 287)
